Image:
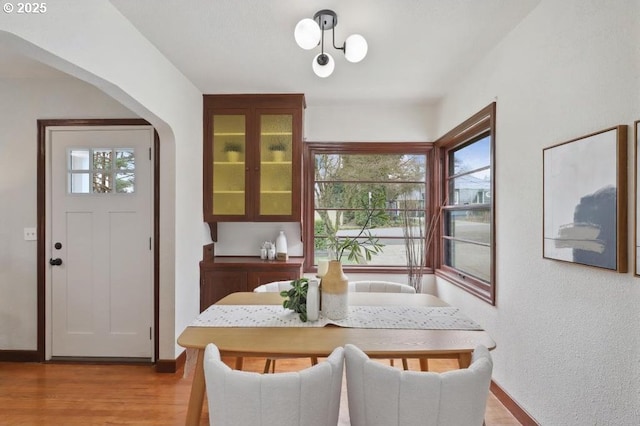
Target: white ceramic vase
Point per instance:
(313, 301)
(281, 244)
(335, 292)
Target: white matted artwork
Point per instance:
(636, 243)
(585, 200)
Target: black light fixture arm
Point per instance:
(333, 36)
(322, 59)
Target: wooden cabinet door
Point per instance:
(227, 153)
(217, 284)
(278, 190)
(252, 158)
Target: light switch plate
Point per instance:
(30, 234)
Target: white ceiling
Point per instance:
(418, 49)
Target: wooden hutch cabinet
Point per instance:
(228, 275)
(253, 158)
(252, 172)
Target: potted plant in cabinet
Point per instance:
(278, 150)
(233, 151)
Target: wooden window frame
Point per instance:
(479, 125)
(358, 148)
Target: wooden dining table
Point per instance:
(313, 342)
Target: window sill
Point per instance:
(472, 286)
(362, 269)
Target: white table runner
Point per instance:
(400, 317)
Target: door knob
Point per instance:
(55, 262)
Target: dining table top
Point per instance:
(320, 341)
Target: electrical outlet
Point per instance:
(30, 234)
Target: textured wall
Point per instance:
(112, 55)
(567, 335)
(24, 101)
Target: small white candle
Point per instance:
(323, 266)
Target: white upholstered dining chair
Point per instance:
(380, 287)
(370, 286)
(380, 395)
(276, 286)
(310, 397)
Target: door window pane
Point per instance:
(94, 171)
(79, 159)
(79, 182)
(125, 182)
(101, 183)
(102, 159)
(125, 159)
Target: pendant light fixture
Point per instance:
(309, 33)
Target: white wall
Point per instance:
(94, 42)
(567, 335)
(24, 101)
(337, 123)
(370, 123)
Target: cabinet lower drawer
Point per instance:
(226, 275)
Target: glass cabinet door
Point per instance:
(229, 154)
(276, 154)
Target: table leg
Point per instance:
(464, 359)
(196, 398)
(239, 362)
(424, 364)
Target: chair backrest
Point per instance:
(380, 395)
(276, 286)
(308, 397)
(354, 286)
(380, 287)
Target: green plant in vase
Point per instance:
(233, 151)
(296, 297)
(363, 245)
(277, 150)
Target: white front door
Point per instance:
(99, 241)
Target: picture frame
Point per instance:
(585, 200)
(636, 210)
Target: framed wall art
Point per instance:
(585, 200)
(636, 242)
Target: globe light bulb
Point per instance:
(355, 48)
(325, 66)
(307, 33)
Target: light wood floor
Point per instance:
(71, 394)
